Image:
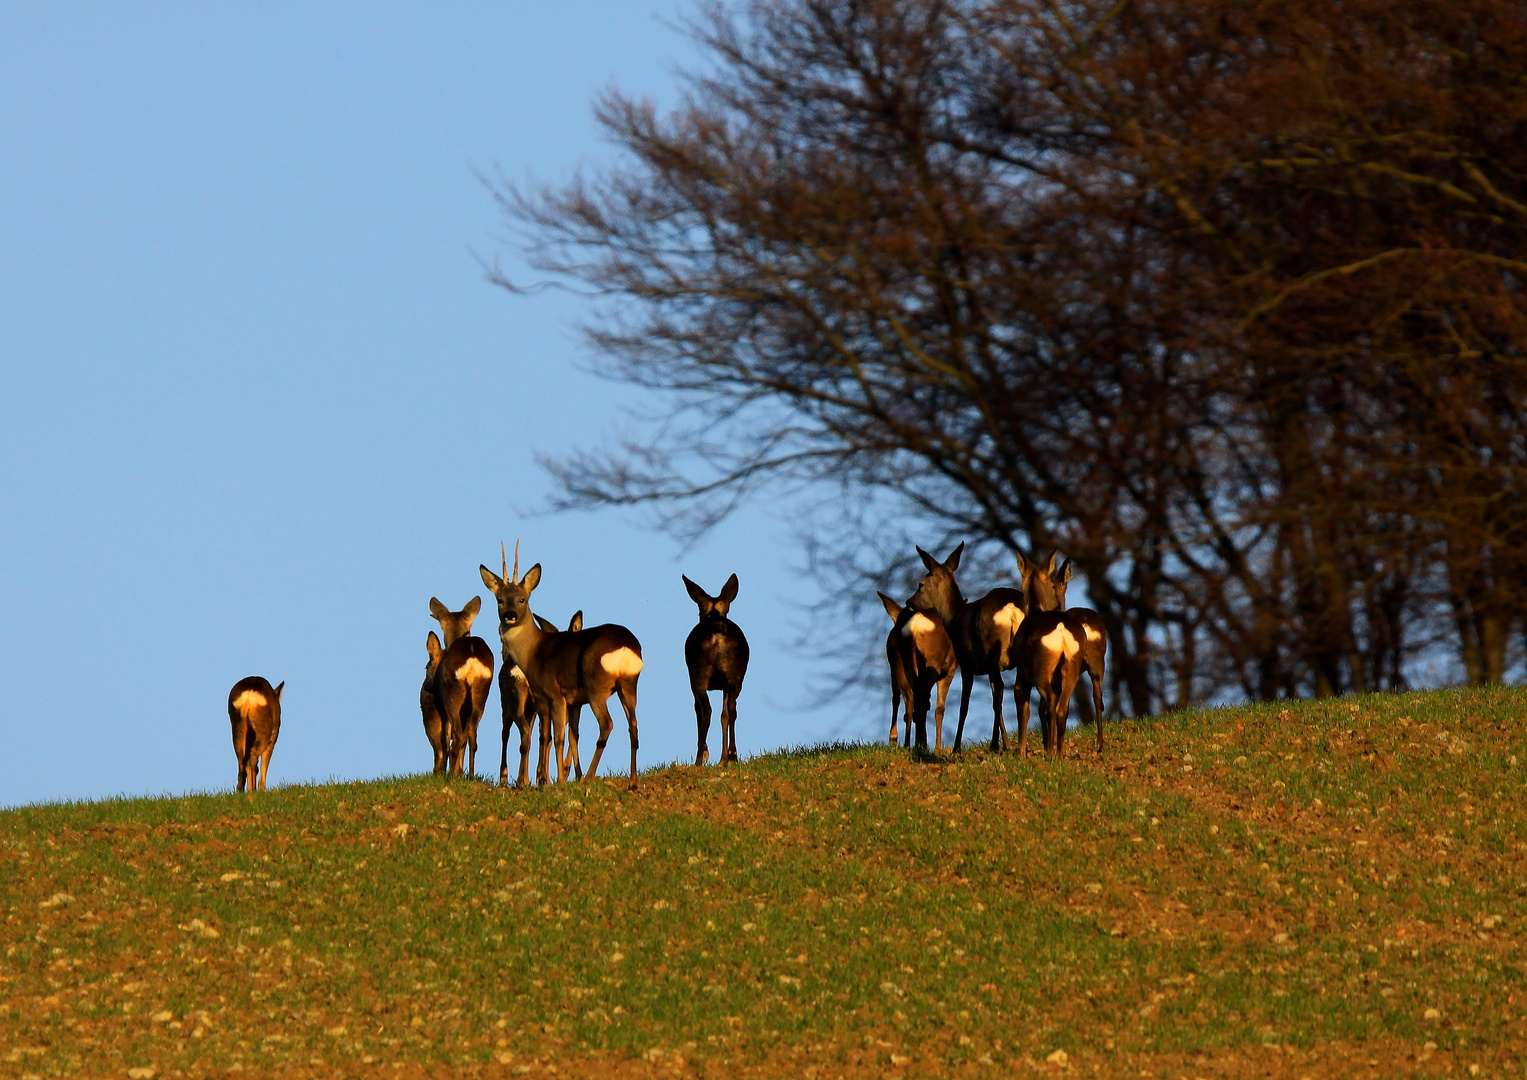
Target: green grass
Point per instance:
(1312, 876)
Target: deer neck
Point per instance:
(522, 641)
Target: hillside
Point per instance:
(1322, 889)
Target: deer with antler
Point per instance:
(567, 669)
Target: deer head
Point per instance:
(938, 592)
(1044, 587)
(454, 624)
(511, 591)
(712, 607)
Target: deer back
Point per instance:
(257, 703)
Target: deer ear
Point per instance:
(1065, 571)
(928, 560)
(545, 624)
(575, 623)
(729, 590)
(953, 562)
(474, 605)
(892, 608)
(1025, 568)
(1050, 566)
(432, 646)
(532, 578)
(280, 687)
(490, 579)
(697, 594)
(437, 610)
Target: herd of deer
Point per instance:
(1027, 631)
(551, 674)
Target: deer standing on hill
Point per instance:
(1057, 646)
(254, 708)
(568, 668)
(463, 677)
(569, 759)
(716, 653)
(921, 657)
(433, 728)
(982, 631)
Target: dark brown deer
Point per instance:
(433, 728)
(254, 707)
(568, 668)
(921, 657)
(717, 656)
(982, 631)
(568, 759)
(463, 677)
(1057, 646)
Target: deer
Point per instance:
(1058, 645)
(716, 653)
(570, 668)
(254, 707)
(463, 676)
(982, 632)
(921, 657)
(433, 728)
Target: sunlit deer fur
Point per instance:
(568, 668)
(433, 728)
(254, 708)
(463, 677)
(1058, 645)
(921, 657)
(982, 632)
(716, 653)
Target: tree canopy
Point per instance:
(1223, 298)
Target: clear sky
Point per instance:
(257, 404)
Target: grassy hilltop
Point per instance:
(1321, 889)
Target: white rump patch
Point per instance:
(518, 676)
(1009, 618)
(1060, 641)
(621, 662)
(918, 624)
(249, 701)
(1092, 635)
(473, 671)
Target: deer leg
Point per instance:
(265, 763)
(503, 757)
(938, 711)
(702, 725)
(574, 718)
(729, 726)
(921, 692)
(525, 723)
(553, 739)
(895, 706)
(240, 747)
(999, 729)
(1021, 692)
(601, 706)
(626, 688)
(542, 769)
(1096, 678)
(965, 684)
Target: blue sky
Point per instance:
(257, 404)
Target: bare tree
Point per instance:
(1222, 298)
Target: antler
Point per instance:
(516, 560)
(504, 558)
